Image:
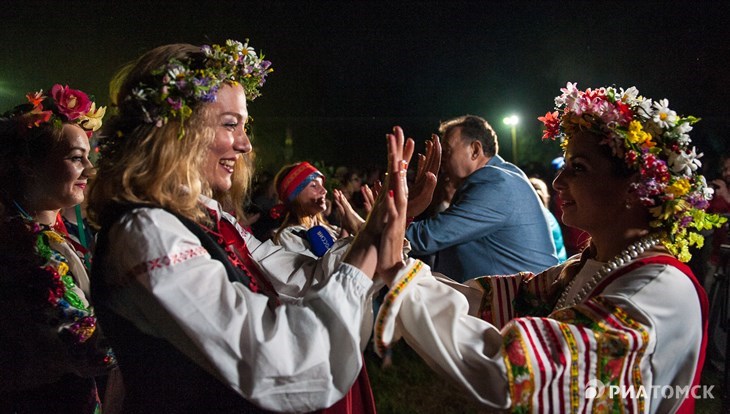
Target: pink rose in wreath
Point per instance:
(72, 103)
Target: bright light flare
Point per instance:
(511, 120)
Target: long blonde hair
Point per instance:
(144, 163)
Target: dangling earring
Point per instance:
(627, 205)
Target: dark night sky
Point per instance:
(345, 72)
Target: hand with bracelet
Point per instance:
(383, 231)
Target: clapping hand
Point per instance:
(394, 206)
(421, 193)
(378, 247)
(351, 220)
(368, 194)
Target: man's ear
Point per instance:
(476, 149)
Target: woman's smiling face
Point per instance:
(312, 198)
(60, 177)
(230, 116)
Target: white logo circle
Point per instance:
(594, 388)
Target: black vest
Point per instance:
(157, 377)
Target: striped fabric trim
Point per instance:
(498, 294)
(536, 294)
(636, 338)
(572, 366)
(296, 179)
(293, 193)
(551, 361)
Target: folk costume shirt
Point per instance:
(643, 329)
(299, 356)
(291, 240)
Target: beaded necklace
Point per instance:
(625, 256)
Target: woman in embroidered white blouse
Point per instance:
(184, 293)
(620, 327)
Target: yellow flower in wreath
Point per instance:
(679, 187)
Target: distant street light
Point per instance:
(512, 121)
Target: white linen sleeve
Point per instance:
(299, 357)
(294, 273)
(293, 270)
(663, 298)
(306, 277)
(433, 318)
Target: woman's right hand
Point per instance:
(421, 193)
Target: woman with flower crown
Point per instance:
(50, 349)
(618, 328)
(205, 317)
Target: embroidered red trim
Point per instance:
(165, 261)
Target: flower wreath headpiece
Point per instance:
(653, 140)
(62, 105)
(178, 85)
